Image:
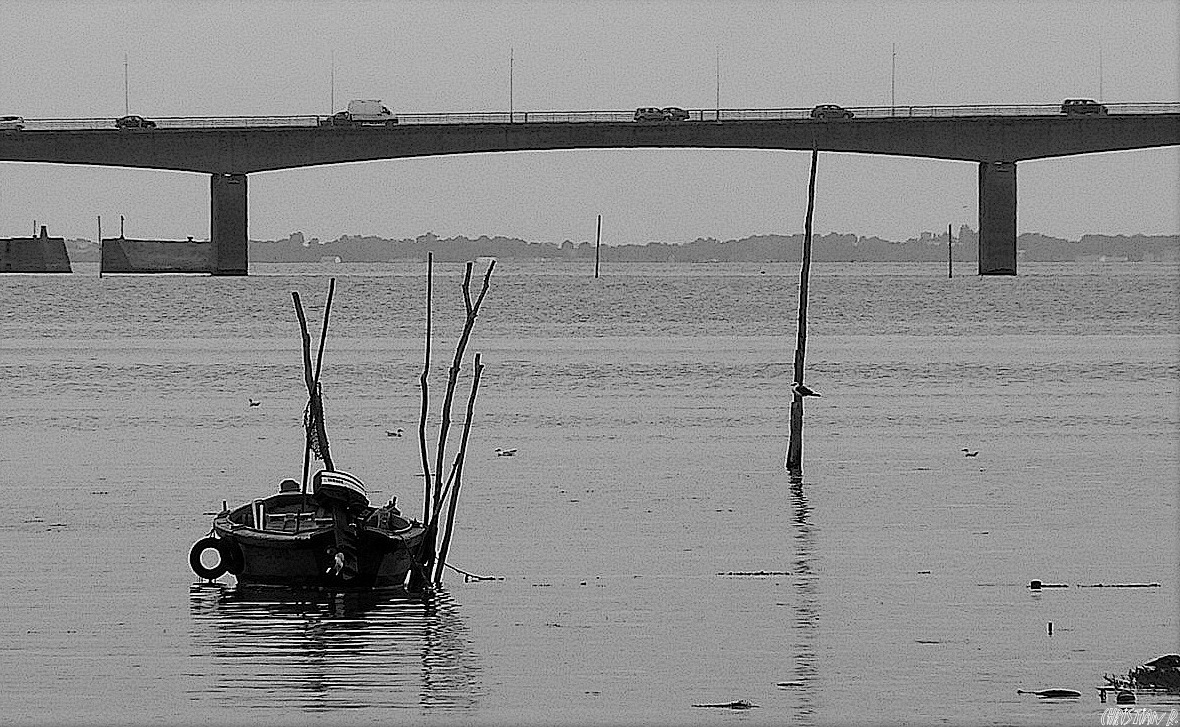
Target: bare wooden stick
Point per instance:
(457, 473)
(425, 397)
(795, 445)
(423, 560)
(319, 359)
(308, 380)
(460, 347)
(314, 399)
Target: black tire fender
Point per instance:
(224, 557)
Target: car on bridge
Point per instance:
(11, 123)
(362, 112)
(830, 111)
(1082, 106)
(675, 113)
(134, 122)
(649, 113)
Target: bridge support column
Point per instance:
(227, 223)
(997, 218)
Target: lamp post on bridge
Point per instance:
(893, 80)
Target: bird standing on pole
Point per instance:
(801, 390)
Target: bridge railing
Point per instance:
(591, 117)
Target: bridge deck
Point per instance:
(582, 117)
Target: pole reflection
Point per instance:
(261, 653)
(806, 602)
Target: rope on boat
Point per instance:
(468, 577)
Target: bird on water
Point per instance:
(802, 390)
(251, 402)
(505, 452)
(969, 453)
(398, 433)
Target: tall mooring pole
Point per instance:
(597, 244)
(950, 265)
(795, 446)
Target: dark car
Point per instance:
(134, 122)
(11, 123)
(675, 113)
(1084, 106)
(649, 113)
(830, 111)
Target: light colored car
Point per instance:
(134, 122)
(830, 111)
(362, 112)
(649, 113)
(11, 123)
(1082, 106)
(675, 113)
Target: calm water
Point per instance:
(650, 412)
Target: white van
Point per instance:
(363, 112)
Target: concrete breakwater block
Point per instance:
(41, 254)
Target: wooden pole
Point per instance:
(457, 475)
(950, 265)
(597, 244)
(426, 557)
(425, 391)
(472, 309)
(795, 446)
(314, 401)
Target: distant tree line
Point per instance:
(832, 247)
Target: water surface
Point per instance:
(650, 413)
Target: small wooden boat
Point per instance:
(332, 539)
(328, 538)
(321, 532)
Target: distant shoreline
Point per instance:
(832, 247)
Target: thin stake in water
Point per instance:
(795, 446)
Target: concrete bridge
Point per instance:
(229, 149)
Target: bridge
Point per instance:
(230, 148)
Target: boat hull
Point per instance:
(307, 560)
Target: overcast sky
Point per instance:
(66, 60)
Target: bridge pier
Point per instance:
(997, 218)
(227, 224)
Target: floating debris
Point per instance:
(1053, 693)
(1037, 585)
(740, 704)
(1119, 585)
(753, 573)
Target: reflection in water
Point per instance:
(255, 652)
(806, 602)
